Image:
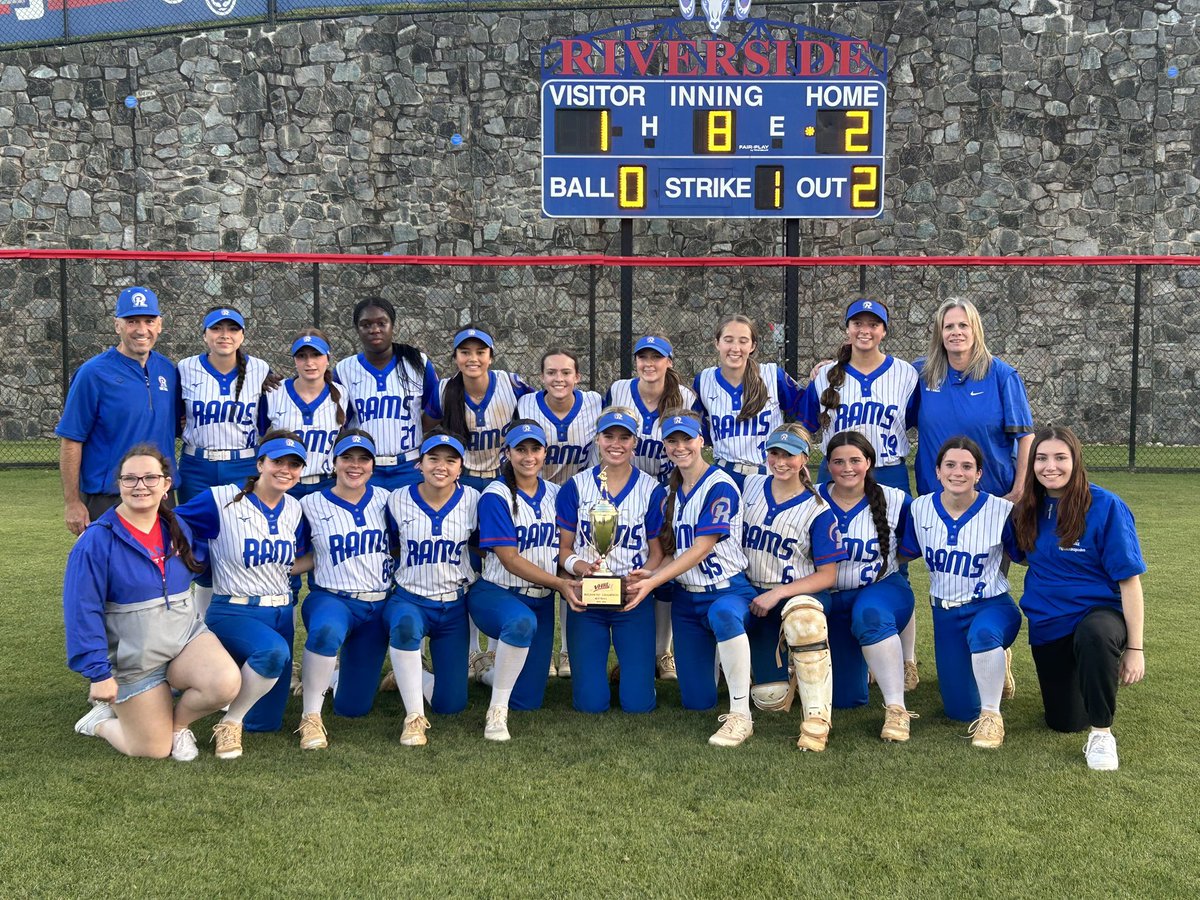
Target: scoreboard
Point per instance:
(713, 148)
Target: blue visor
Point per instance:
(680, 424)
(474, 333)
(789, 443)
(863, 305)
(224, 315)
(616, 420)
(278, 448)
(354, 441)
(311, 340)
(443, 440)
(525, 433)
(662, 345)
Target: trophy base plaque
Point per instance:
(603, 591)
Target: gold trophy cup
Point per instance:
(603, 588)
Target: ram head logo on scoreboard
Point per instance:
(714, 11)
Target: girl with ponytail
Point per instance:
(254, 540)
(872, 600)
(742, 399)
(131, 623)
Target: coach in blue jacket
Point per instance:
(124, 396)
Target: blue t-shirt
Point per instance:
(1064, 584)
(114, 403)
(994, 412)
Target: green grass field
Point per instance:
(604, 806)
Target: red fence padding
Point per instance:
(604, 260)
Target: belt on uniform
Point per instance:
(447, 597)
(948, 604)
(218, 455)
(535, 593)
(741, 468)
(481, 473)
(365, 596)
(312, 479)
(387, 461)
(254, 600)
(707, 588)
(894, 462)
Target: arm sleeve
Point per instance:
(84, 586)
(654, 512)
(496, 527)
(1120, 551)
(721, 504)
(826, 542)
(904, 523)
(789, 393)
(519, 385)
(906, 533)
(432, 401)
(1018, 417)
(201, 515)
(809, 412)
(1008, 538)
(303, 537)
(79, 413)
(566, 507)
(430, 394)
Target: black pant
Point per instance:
(1078, 673)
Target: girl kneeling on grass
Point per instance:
(435, 520)
(131, 622)
(1083, 592)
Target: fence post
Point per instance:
(862, 280)
(592, 273)
(62, 323)
(791, 297)
(1133, 367)
(271, 10)
(626, 300)
(316, 283)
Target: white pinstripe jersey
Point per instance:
(720, 402)
(963, 555)
(785, 542)
(533, 531)
(650, 455)
(387, 403)
(861, 540)
(254, 549)
(713, 507)
(213, 418)
(640, 517)
(351, 542)
(433, 554)
(315, 423)
(572, 438)
(874, 405)
(487, 419)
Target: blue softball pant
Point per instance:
(701, 620)
(355, 628)
(631, 632)
(260, 637)
(198, 475)
(410, 618)
(518, 621)
(975, 627)
(392, 477)
(860, 618)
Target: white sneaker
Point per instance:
(496, 728)
(101, 712)
(735, 728)
(1101, 751)
(564, 666)
(183, 746)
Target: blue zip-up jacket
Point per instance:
(108, 565)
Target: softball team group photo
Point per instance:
(446, 530)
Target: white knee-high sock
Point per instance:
(886, 661)
(989, 677)
(735, 662)
(254, 688)
(315, 674)
(662, 628)
(908, 639)
(427, 686)
(407, 666)
(472, 636)
(562, 625)
(510, 661)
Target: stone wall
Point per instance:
(1015, 127)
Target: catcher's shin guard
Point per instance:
(807, 636)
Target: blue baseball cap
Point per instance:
(443, 440)
(225, 314)
(616, 419)
(310, 340)
(137, 301)
(352, 442)
(685, 424)
(519, 433)
(278, 448)
(474, 333)
(789, 443)
(662, 345)
(863, 305)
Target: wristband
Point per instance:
(570, 565)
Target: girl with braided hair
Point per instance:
(255, 538)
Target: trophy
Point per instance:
(603, 588)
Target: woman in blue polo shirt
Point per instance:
(1083, 591)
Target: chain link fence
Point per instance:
(1109, 349)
